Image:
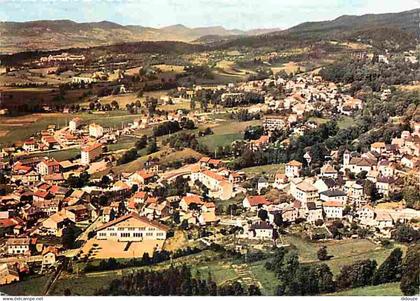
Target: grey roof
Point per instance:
(333, 193)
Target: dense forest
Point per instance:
(371, 73)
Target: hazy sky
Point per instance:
(241, 14)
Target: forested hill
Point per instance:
(394, 31)
(407, 21)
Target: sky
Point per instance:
(232, 14)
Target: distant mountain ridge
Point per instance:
(407, 21)
(383, 29)
(56, 34)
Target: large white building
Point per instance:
(274, 122)
(95, 130)
(90, 153)
(304, 191)
(74, 124)
(18, 246)
(219, 186)
(132, 227)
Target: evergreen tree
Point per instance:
(390, 269)
(357, 274)
(322, 253)
(326, 282)
(410, 280)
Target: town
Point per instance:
(117, 164)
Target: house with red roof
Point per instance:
(189, 201)
(141, 177)
(254, 202)
(48, 166)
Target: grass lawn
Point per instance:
(123, 143)
(388, 289)
(215, 141)
(345, 122)
(226, 132)
(164, 156)
(319, 120)
(267, 278)
(344, 252)
(33, 286)
(219, 271)
(269, 170)
(84, 285)
(63, 154)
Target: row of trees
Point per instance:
(300, 280)
(174, 281)
(169, 127)
(143, 143)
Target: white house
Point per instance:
(366, 215)
(333, 195)
(18, 246)
(328, 171)
(293, 169)
(95, 130)
(260, 230)
(305, 192)
(383, 220)
(333, 209)
(74, 124)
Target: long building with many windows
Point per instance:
(132, 227)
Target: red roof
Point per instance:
(140, 194)
(91, 147)
(144, 174)
(136, 216)
(41, 194)
(258, 200)
(8, 222)
(333, 204)
(213, 175)
(294, 163)
(51, 162)
(49, 139)
(192, 199)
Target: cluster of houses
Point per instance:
(40, 205)
(339, 190)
